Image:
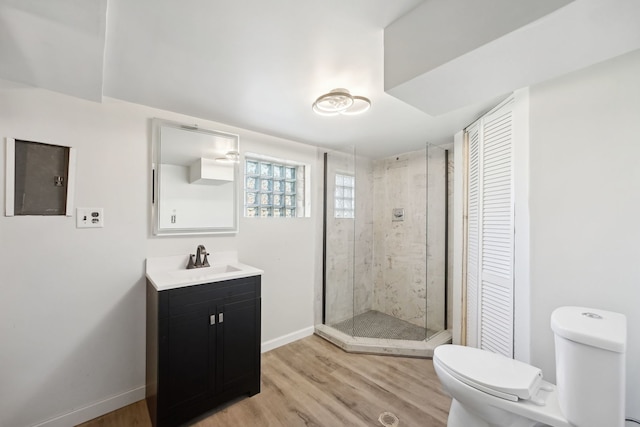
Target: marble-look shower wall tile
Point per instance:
(363, 281)
(408, 273)
(400, 245)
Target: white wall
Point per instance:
(585, 203)
(72, 300)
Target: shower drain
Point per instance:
(387, 419)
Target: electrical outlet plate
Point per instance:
(89, 217)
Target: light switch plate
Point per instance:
(89, 217)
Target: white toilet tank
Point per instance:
(590, 365)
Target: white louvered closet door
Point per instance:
(490, 248)
(473, 234)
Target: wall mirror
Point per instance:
(195, 180)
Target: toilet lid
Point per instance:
(490, 372)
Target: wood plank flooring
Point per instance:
(313, 383)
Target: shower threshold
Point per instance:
(375, 324)
(385, 346)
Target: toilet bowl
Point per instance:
(491, 390)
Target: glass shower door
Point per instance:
(338, 244)
(437, 273)
(385, 244)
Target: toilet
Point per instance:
(491, 390)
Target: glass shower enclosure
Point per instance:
(385, 261)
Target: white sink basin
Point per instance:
(203, 271)
(171, 272)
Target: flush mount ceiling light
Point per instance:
(340, 101)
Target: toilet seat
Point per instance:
(491, 373)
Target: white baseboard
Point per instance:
(286, 339)
(112, 403)
(94, 410)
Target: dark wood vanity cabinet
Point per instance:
(203, 348)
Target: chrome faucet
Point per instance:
(198, 260)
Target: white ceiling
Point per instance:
(260, 64)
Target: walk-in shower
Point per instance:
(385, 261)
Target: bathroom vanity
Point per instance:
(203, 337)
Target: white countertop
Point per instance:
(171, 272)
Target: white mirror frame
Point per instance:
(156, 125)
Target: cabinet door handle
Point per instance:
(221, 318)
(212, 319)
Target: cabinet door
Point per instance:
(238, 366)
(190, 356)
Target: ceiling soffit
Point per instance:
(580, 34)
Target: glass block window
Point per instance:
(345, 197)
(273, 189)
